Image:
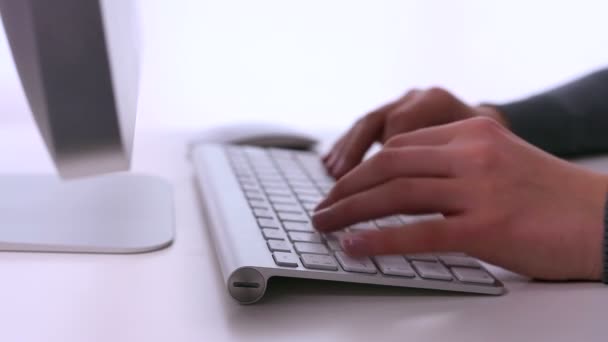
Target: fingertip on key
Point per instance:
(319, 218)
(355, 245)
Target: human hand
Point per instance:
(416, 109)
(504, 201)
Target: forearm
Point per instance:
(567, 121)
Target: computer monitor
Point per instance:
(78, 61)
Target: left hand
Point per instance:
(504, 201)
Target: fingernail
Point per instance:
(355, 245)
(318, 217)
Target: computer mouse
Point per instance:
(258, 134)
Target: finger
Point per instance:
(333, 153)
(402, 195)
(445, 235)
(355, 147)
(408, 116)
(432, 107)
(361, 137)
(390, 163)
(436, 135)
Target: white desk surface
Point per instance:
(315, 64)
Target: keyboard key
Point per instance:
(298, 226)
(301, 184)
(279, 246)
(304, 237)
(245, 177)
(293, 175)
(394, 265)
(334, 240)
(263, 213)
(293, 217)
(273, 184)
(273, 234)
(288, 208)
(471, 275)
(309, 205)
(274, 199)
(310, 198)
(269, 223)
(254, 195)
(276, 186)
(319, 262)
(285, 259)
(432, 270)
(280, 154)
(270, 178)
(261, 204)
(334, 245)
(422, 257)
(359, 265)
(278, 192)
(464, 261)
(311, 248)
(307, 192)
(249, 187)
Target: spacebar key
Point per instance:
(319, 262)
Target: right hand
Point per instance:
(416, 109)
(505, 202)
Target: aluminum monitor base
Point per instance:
(116, 213)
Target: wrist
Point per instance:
(491, 112)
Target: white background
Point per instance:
(203, 58)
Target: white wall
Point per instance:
(324, 62)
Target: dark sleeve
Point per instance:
(567, 121)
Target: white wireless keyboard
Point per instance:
(259, 203)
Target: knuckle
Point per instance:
(484, 125)
(410, 93)
(394, 117)
(437, 92)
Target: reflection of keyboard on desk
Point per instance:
(259, 203)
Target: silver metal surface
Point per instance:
(78, 64)
(246, 285)
(117, 213)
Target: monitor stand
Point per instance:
(116, 213)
